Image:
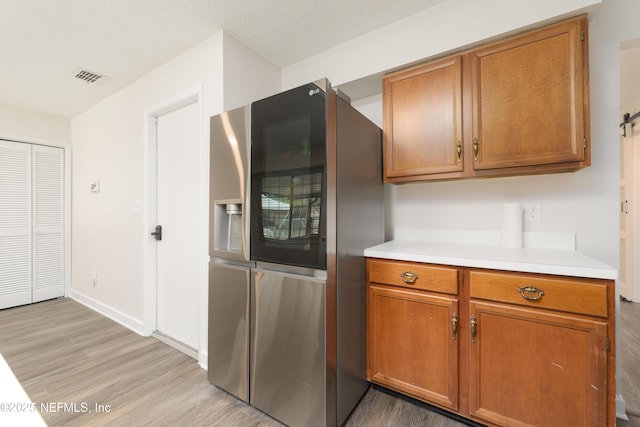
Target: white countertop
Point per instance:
(529, 260)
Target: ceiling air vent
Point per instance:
(88, 76)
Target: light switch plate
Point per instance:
(95, 186)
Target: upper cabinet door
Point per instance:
(530, 98)
(422, 109)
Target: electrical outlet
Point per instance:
(93, 279)
(532, 212)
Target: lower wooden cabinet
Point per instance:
(412, 344)
(539, 369)
(501, 348)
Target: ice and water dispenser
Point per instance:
(228, 220)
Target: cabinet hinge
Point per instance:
(582, 35)
(584, 143)
(608, 344)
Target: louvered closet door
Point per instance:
(15, 224)
(48, 222)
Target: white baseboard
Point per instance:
(136, 325)
(204, 360)
(621, 411)
(129, 322)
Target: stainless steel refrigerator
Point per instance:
(296, 196)
(229, 265)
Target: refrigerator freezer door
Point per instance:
(229, 184)
(288, 347)
(229, 328)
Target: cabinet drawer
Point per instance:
(581, 296)
(413, 275)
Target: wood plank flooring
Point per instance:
(64, 352)
(630, 360)
(61, 351)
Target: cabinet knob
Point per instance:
(409, 277)
(459, 148)
(530, 293)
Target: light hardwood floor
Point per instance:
(61, 351)
(630, 360)
(64, 352)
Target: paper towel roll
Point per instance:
(511, 233)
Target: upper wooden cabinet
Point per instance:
(423, 119)
(516, 106)
(528, 99)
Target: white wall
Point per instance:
(444, 27)
(109, 236)
(631, 107)
(247, 76)
(29, 126)
(570, 202)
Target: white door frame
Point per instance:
(150, 213)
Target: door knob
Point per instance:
(158, 233)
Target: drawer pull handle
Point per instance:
(454, 325)
(474, 328)
(409, 277)
(475, 149)
(531, 293)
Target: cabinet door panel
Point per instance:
(410, 344)
(536, 368)
(423, 119)
(528, 99)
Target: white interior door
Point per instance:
(48, 222)
(178, 212)
(31, 223)
(15, 224)
(630, 215)
(626, 186)
(633, 259)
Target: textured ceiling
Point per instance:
(43, 42)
